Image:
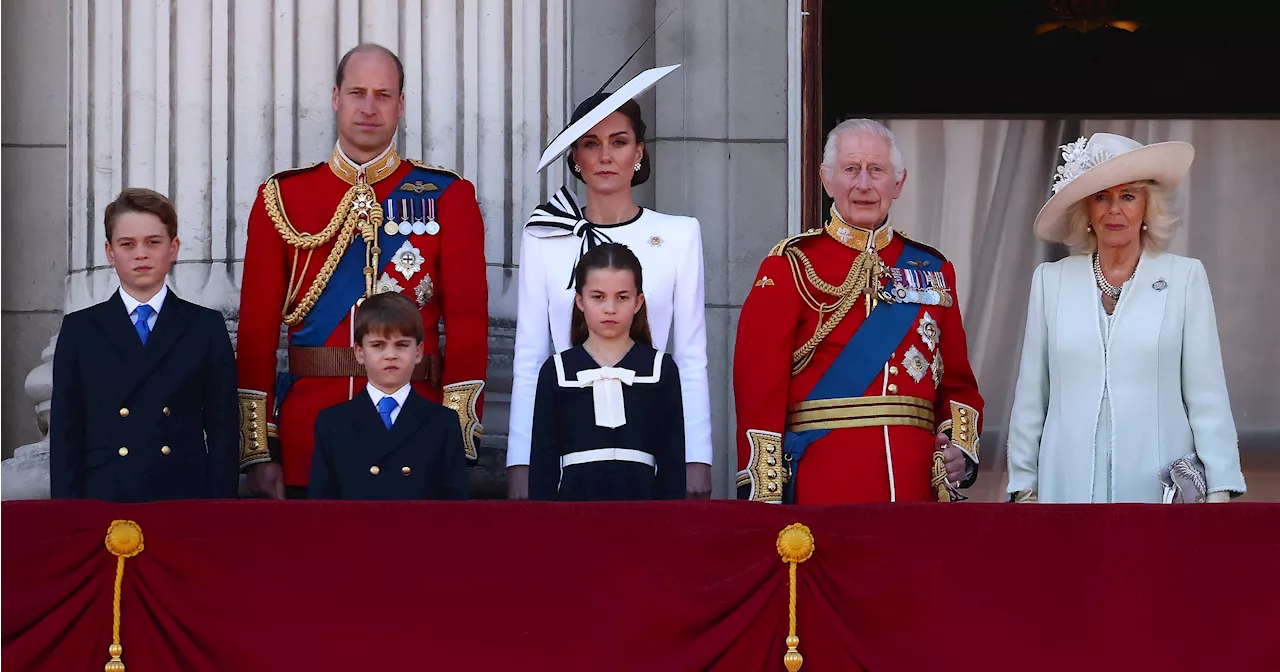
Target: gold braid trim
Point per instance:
(964, 429)
(254, 429)
(359, 208)
(461, 398)
(765, 472)
(863, 279)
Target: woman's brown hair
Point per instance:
(629, 109)
(615, 256)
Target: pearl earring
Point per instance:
(1089, 227)
(637, 166)
(1144, 225)
(577, 168)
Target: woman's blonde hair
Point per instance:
(1160, 219)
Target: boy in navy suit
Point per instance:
(144, 384)
(388, 442)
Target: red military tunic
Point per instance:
(297, 220)
(880, 445)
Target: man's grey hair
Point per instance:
(862, 126)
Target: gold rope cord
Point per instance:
(359, 208)
(124, 540)
(861, 279)
(795, 545)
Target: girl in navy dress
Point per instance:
(608, 420)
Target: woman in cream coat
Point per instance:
(1121, 371)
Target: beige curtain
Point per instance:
(974, 188)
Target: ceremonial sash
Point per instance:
(347, 284)
(859, 362)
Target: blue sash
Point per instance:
(858, 364)
(346, 285)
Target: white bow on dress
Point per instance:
(606, 391)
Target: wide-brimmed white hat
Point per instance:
(638, 85)
(1103, 161)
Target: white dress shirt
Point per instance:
(131, 305)
(669, 248)
(399, 395)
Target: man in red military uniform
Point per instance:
(850, 369)
(324, 237)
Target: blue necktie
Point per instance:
(384, 409)
(144, 314)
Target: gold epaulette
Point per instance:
(781, 248)
(912, 241)
(290, 171)
(440, 169)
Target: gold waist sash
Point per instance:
(861, 412)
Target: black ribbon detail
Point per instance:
(563, 213)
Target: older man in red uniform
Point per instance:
(851, 369)
(324, 237)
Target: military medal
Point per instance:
(405, 226)
(390, 228)
(432, 227)
(419, 227)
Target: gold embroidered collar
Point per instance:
(858, 238)
(374, 171)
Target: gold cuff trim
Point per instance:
(254, 429)
(861, 412)
(765, 471)
(461, 398)
(1027, 496)
(964, 429)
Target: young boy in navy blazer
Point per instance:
(144, 384)
(388, 442)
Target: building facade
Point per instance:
(204, 99)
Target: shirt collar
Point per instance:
(131, 304)
(375, 170)
(399, 395)
(856, 237)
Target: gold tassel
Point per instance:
(124, 540)
(940, 477)
(795, 545)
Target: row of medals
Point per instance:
(411, 224)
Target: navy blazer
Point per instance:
(357, 457)
(134, 423)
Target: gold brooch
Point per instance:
(766, 281)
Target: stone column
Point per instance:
(204, 99)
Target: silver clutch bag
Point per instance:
(1184, 481)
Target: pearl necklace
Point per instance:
(1106, 287)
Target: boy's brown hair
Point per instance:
(386, 314)
(137, 199)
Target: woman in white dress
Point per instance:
(1121, 374)
(605, 150)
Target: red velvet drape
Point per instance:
(243, 586)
